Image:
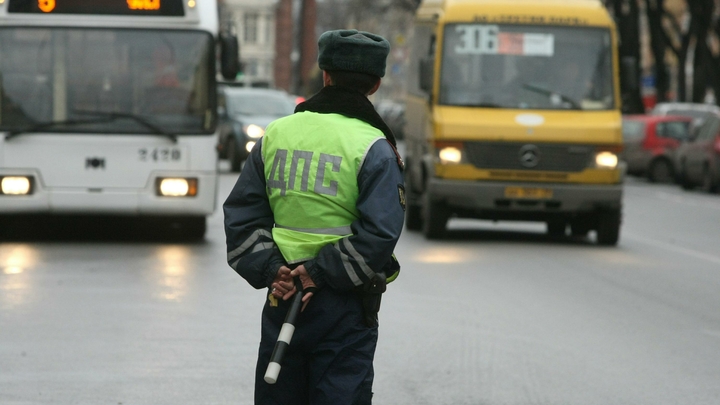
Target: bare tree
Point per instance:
(655, 10)
(627, 14)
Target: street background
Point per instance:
(495, 314)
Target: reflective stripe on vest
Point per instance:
(311, 165)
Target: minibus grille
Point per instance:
(528, 156)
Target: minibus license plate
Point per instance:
(528, 192)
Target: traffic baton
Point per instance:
(286, 333)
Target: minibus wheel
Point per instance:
(435, 217)
(608, 228)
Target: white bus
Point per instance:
(108, 107)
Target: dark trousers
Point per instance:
(330, 358)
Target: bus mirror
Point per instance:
(229, 56)
(427, 66)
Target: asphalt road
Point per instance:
(496, 314)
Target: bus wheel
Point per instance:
(188, 228)
(608, 227)
(413, 211)
(413, 217)
(579, 228)
(435, 217)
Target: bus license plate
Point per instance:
(528, 192)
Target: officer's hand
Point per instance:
(282, 285)
(306, 281)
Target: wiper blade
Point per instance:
(103, 117)
(574, 104)
(35, 127)
(111, 116)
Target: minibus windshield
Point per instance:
(527, 67)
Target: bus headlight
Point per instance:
(450, 155)
(254, 131)
(176, 187)
(16, 185)
(606, 160)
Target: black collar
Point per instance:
(347, 102)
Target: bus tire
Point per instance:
(580, 227)
(413, 209)
(195, 228)
(608, 227)
(413, 217)
(435, 217)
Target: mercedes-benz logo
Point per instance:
(529, 156)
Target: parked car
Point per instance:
(698, 159)
(244, 113)
(698, 112)
(650, 143)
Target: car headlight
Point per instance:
(177, 187)
(254, 131)
(16, 185)
(606, 160)
(249, 146)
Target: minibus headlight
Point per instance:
(606, 160)
(15, 185)
(176, 187)
(450, 155)
(254, 131)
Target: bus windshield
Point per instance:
(135, 81)
(522, 66)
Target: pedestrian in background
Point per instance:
(321, 198)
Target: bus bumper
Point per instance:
(490, 199)
(110, 201)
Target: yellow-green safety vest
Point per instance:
(312, 162)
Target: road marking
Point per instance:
(679, 249)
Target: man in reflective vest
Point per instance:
(321, 198)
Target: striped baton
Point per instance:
(286, 333)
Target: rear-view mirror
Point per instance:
(229, 56)
(427, 66)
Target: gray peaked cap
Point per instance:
(353, 51)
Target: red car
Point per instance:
(650, 144)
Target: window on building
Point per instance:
(250, 31)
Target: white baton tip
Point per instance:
(271, 374)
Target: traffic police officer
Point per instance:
(321, 198)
